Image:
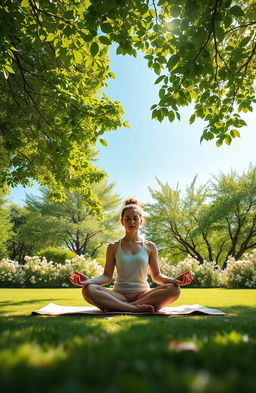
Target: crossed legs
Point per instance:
(160, 296)
(151, 300)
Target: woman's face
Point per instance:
(131, 220)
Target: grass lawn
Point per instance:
(121, 354)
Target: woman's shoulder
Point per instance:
(112, 246)
(150, 246)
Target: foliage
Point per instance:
(211, 222)
(206, 275)
(211, 62)
(241, 274)
(52, 108)
(19, 244)
(31, 233)
(58, 255)
(71, 223)
(54, 62)
(202, 52)
(5, 224)
(38, 273)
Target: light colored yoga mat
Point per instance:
(55, 310)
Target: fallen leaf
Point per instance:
(179, 346)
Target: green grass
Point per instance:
(127, 353)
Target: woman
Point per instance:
(131, 256)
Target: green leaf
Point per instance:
(236, 11)
(171, 116)
(25, 3)
(159, 79)
(227, 21)
(192, 119)
(94, 49)
(103, 142)
(177, 115)
(209, 135)
(9, 68)
(220, 33)
(152, 13)
(162, 93)
(6, 74)
(104, 40)
(157, 68)
(236, 133)
(228, 139)
(173, 61)
(155, 114)
(245, 41)
(50, 37)
(78, 56)
(106, 27)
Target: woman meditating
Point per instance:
(131, 256)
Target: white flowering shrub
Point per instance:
(38, 273)
(12, 274)
(206, 275)
(241, 274)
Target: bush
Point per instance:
(58, 255)
(241, 274)
(206, 275)
(38, 273)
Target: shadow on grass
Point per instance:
(23, 303)
(129, 354)
(19, 303)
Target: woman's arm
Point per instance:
(81, 280)
(160, 278)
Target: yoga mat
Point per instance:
(55, 310)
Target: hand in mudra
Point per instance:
(184, 279)
(79, 279)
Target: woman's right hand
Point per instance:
(184, 279)
(79, 279)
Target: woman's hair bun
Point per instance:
(132, 201)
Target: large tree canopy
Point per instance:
(52, 107)
(69, 224)
(54, 62)
(211, 222)
(203, 51)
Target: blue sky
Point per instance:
(169, 151)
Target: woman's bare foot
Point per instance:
(144, 307)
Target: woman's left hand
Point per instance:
(183, 279)
(79, 279)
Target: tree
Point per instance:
(211, 222)
(232, 212)
(71, 223)
(52, 107)
(204, 53)
(54, 62)
(19, 244)
(5, 224)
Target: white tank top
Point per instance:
(131, 270)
